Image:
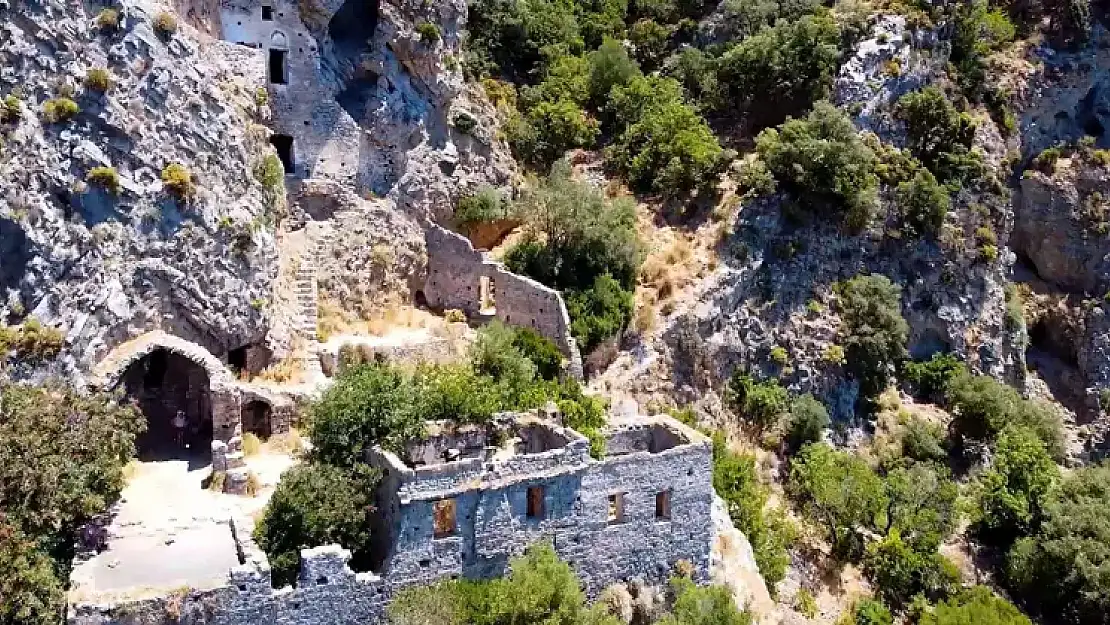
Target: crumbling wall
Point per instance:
(455, 274)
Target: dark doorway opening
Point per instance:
(256, 418)
(284, 146)
(277, 67)
(237, 359)
(267, 13)
(163, 384)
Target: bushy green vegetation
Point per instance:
(56, 110)
(98, 79)
(11, 111)
(165, 24)
(486, 205)
(1058, 571)
(984, 407)
(581, 243)
(270, 172)
(317, 504)
(978, 606)
(940, 136)
(931, 379)
(924, 204)
(822, 160)
(30, 342)
(808, 419)
(429, 32)
(540, 588)
(178, 180)
(874, 333)
(107, 20)
(780, 71)
(736, 480)
(104, 177)
(761, 403)
(61, 464)
(1015, 489)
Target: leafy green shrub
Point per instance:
(270, 172)
(649, 39)
(976, 605)
(368, 405)
(923, 441)
(761, 403)
(30, 342)
(940, 136)
(899, 572)
(806, 604)
(517, 39)
(57, 110)
(165, 24)
(599, 312)
(823, 162)
(931, 379)
(107, 20)
(838, 492)
(979, 30)
(873, 329)
(541, 351)
(317, 504)
(456, 393)
(465, 123)
(780, 356)
(609, 66)
(924, 203)
(984, 407)
(871, 612)
(486, 205)
(703, 605)
(808, 420)
(98, 79)
(664, 145)
(61, 465)
(429, 32)
(12, 111)
(744, 18)
(104, 177)
(780, 71)
(1014, 492)
(178, 180)
(736, 480)
(1058, 571)
(547, 130)
(1047, 159)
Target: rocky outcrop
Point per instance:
(1062, 225)
(105, 264)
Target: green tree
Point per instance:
(871, 612)
(780, 71)
(710, 605)
(822, 161)
(940, 136)
(923, 441)
(31, 592)
(978, 606)
(808, 420)
(924, 204)
(1013, 493)
(736, 480)
(931, 379)
(1060, 571)
(368, 405)
(317, 504)
(487, 204)
(455, 392)
(610, 66)
(495, 354)
(599, 312)
(900, 572)
(548, 129)
(761, 403)
(984, 406)
(663, 145)
(540, 350)
(649, 39)
(874, 331)
(839, 492)
(921, 505)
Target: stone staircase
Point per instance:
(307, 292)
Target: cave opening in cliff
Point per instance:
(172, 392)
(283, 144)
(15, 253)
(352, 27)
(352, 34)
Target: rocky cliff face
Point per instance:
(101, 263)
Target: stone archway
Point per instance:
(164, 384)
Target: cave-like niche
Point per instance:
(256, 418)
(15, 254)
(351, 31)
(163, 383)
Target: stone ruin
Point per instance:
(465, 500)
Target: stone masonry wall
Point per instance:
(455, 270)
(492, 527)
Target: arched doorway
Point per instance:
(163, 384)
(256, 418)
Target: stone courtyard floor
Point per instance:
(169, 532)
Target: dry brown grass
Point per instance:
(284, 371)
(252, 445)
(287, 443)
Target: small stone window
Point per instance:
(616, 508)
(267, 13)
(443, 518)
(663, 506)
(283, 144)
(535, 502)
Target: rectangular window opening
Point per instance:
(277, 67)
(535, 502)
(267, 13)
(663, 505)
(616, 508)
(443, 518)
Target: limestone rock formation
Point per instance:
(104, 262)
